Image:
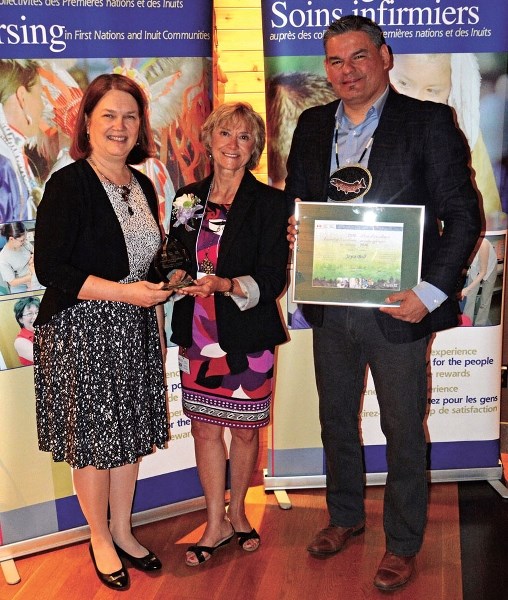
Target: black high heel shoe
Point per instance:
(149, 562)
(119, 580)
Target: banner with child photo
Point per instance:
(446, 53)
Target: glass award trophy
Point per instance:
(171, 255)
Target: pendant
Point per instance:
(349, 183)
(206, 266)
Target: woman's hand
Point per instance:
(206, 286)
(139, 293)
(464, 292)
(177, 275)
(178, 279)
(146, 294)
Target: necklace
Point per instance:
(125, 190)
(226, 205)
(212, 231)
(352, 181)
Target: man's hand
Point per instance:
(411, 308)
(292, 229)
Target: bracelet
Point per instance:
(231, 287)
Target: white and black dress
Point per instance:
(100, 390)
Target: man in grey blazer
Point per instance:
(413, 155)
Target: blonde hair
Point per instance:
(229, 113)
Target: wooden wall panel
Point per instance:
(248, 82)
(256, 100)
(236, 4)
(241, 61)
(230, 18)
(239, 40)
(239, 54)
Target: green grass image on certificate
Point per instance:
(357, 255)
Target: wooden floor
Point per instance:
(468, 562)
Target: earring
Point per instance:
(29, 119)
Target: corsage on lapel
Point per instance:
(186, 208)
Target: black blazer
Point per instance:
(77, 234)
(253, 243)
(418, 157)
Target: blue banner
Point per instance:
(424, 26)
(446, 51)
(96, 28)
(166, 47)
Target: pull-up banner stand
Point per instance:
(444, 52)
(166, 47)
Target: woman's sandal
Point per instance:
(244, 537)
(199, 550)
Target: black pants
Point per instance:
(348, 342)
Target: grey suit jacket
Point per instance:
(418, 157)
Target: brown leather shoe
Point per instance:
(394, 571)
(332, 539)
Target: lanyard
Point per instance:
(336, 137)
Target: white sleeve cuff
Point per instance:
(250, 288)
(430, 295)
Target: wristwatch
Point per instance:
(229, 292)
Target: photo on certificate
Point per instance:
(356, 253)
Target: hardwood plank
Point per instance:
(236, 3)
(484, 534)
(246, 60)
(245, 82)
(238, 18)
(280, 570)
(256, 100)
(235, 39)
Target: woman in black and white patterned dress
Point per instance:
(99, 377)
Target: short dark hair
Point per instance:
(228, 113)
(102, 84)
(350, 23)
(15, 230)
(19, 307)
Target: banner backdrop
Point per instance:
(446, 51)
(165, 45)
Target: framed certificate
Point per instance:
(356, 254)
